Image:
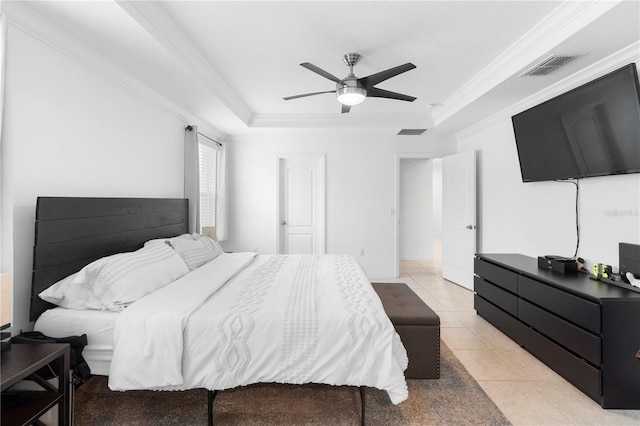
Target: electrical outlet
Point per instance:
(361, 252)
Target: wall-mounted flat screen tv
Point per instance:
(593, 130)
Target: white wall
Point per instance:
(539, 218)
(437, 196)
(416, 209)
(360, 191)
(69, 131)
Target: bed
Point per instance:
(237, 319)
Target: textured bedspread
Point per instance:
(246, 318)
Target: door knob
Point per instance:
(469, 226)
(282, 222)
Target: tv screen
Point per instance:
(593, 130)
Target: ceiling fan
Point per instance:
(352, 90)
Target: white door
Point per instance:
(300, 212)
(459, 217)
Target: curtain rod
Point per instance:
(190, 128)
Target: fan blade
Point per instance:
(346, 108)
(307, 94)
(321, 72)
(373, 79)
(374, 92)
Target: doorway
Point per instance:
(419, 209)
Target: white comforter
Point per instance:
(244, 318)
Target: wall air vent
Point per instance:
(549, 65)
(411, 132)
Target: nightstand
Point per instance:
(22, 361)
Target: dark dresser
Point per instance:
(585, 330)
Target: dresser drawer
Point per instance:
(578, 372)
(497, 275)
(574, 309)
(500, 319)
(577, 340)
(496, 295)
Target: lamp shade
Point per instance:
(350, 95)
(6, 301)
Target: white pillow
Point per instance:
(71, 293)
(196, 252)
(121, 279)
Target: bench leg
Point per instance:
(211, 395)
(362, 395)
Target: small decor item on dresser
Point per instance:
(601, 270)
(633, 280)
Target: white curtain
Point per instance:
(192, 176)
(221, 194)
(3, 52)
(4, 196)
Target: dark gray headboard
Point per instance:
(73, 232)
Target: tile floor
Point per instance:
(527, 391)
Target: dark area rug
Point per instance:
(455, 398)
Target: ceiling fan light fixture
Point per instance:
(352, 90)
(351, 95)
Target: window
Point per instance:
(208, 155)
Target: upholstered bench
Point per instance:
(418, 327)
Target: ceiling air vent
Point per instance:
(411, 132)
(549, 65)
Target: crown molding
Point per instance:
(24, 18)
(341, 120)
(612, 62)
(564, 21)
(153, 19)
